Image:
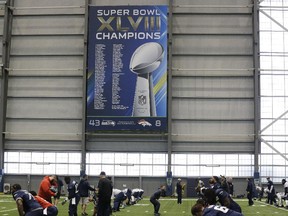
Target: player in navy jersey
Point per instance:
(223, 197)
(73, 196)
(118, 199)
(128, 193)
(155, 197)
(271, 192)
(250, 191)
(215, 210)
(26, 203)
(208, 207)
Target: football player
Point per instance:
(26, 203)
(271, 192)
(283, 196)
(155, 197)
(223, 197)
(48, 208)
(208, 207)
(73, 196)
(119, 198)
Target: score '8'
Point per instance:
(158, 123)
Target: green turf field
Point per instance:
(168, 207)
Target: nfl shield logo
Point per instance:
(142, 100)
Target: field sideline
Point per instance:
(168, 207)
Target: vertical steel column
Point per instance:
(170, 34)
(83, 138)
(140, 182)
(6, 45)
(256, 59)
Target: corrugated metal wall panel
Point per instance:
(213, 65)
(43, 129)
(213, 84)
(43, 145)
(213, 87)
(48, 24)
(212, 80)
(40, 66)
(45, 89)
(226, 45)
(57, 108)
(212, 109)
(212, 24)
(47, 45)
(42, 87)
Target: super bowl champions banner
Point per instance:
(127, 68)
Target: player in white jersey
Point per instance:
(283, 196)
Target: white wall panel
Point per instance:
(45, 91)
(47, 24)
(240, 64)
(204, 131)
(47, 45)
(209, 109)
(212, 23)
(45, 87)
(129, 2)
(37, 3)
(127, 145)
(218, 87)
(213, 45)
(213, 84)
(30, 145)
(49, 6)
(41, 129)
(213, 6)
(46, 66)
(58, 108)
(212, 147)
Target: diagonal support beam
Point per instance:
(275, 120)
(274, 149)
(275, 21)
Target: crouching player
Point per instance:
(119, 198)
(208, 207)
(283, 196)
(48, 208)
(224, 198)
(128, 193)
(26, 203)
(135, 196)
(155, 197)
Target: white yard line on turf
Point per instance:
(8, 210)
(280, 208)
(194, 199)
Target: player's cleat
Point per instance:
(64, 201)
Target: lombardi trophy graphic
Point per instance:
(146, 59)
